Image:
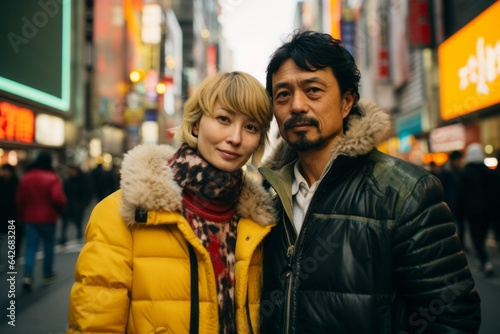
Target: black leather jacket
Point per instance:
(377, 252)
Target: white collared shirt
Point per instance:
(301, 195)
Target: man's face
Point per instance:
(308, 107)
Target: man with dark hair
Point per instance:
(365, 242)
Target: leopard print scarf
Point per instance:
(209, 197)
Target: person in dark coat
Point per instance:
(449, 176)
(9, 222)
(473, 202)
(365, 242)
(78, 194)
(104, 182)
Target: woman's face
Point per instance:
(227, 139)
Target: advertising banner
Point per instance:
(469, 66)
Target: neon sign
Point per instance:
(36, 53)
(16, 123)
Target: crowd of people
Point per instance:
(37, 198)
(342, 237)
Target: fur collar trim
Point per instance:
(363, 134)
(148, 182)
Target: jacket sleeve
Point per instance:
(99, 299)
(431, 268)
(57, 195)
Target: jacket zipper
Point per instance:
(290, 254)
(289, 277)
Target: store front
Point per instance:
(24, 131)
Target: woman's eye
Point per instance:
(223, 119)
(252, 128)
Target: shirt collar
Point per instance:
(298, 179)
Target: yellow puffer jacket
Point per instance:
(134, 277)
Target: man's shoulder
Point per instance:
(386, 164)
(395, 161)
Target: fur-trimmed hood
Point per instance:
(147, 183)
(364, 132)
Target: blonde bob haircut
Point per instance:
(235, 91)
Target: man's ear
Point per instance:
(347, 103)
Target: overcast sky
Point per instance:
(254, 29)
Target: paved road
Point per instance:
(489, 290)
(43, 310)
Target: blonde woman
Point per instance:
(178, 248)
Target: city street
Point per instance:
(44, 310)
(192, 106)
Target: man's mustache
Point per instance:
(295, 119)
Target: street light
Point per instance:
(136, 76)
(161, 88)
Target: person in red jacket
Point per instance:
(40, 200)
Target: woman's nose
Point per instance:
(234, 136)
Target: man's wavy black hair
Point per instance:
(314, 51)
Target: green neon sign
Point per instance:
(36, 51)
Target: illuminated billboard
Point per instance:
(36, 50)
(469, 66)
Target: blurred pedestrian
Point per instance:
(8, 185)
(178, 248)
(449, 176)
(473, 202)
(434, 168)
(78, 195)
(103, 181)
(40, 200)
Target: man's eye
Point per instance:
(314, 89)
(282, 94)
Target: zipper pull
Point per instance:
(287, 270)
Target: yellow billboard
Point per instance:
(335, 18)
(469, 66)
